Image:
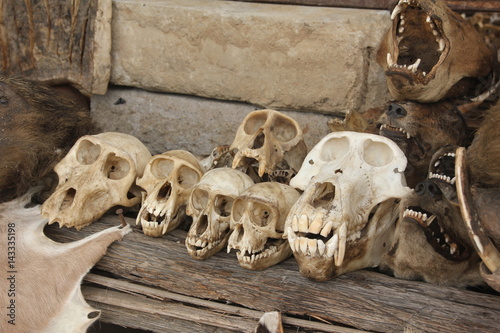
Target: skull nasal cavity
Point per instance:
(165, 191)
(202, 225)
(428, 188)
(259, 141)
(396, 111)
(68, 198)
(325, 193)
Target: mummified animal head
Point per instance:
(431, 242)
(431, 53)
(37, 128)
(41, 277)
(420, 130)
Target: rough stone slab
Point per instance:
(276, 56)
(165, 122)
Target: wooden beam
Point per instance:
(362, 300)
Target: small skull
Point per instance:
(210, 206)
(351, 183)
(270, 138)
(98, 173)
(168, 180)
(258, 221)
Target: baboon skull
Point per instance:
(99, 172)
(271, 139)
(210, 206)
(343, 220)
(258, 221)
(168, 180)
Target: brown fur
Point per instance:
(483, 156)
(37, 127)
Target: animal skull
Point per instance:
(344, 217)
(210, 206)
(48, 293)
(98, 173)
(168, 179)
(431, 53)
(272, 139)
(258, 221)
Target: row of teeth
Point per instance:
(439, 160)
(384, 126)
(413, 68)
(245, 256)
(445, 178)
(428, 220)
(333, 248)
(193, 241)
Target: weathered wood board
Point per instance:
(161, 272)
(58, 42)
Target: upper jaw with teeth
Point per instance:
(394, 128)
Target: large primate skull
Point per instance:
(210, 206)
(98, 173)
(258, 221)
(168, 180)
(420, 130)
(271, 139)
(344, 217)
(431, 53)
(431, 241)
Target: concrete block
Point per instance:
(165, 122)
(284, 57)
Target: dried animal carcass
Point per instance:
(258, 223)
(209, 205)
(99, 172)
(37, 127)
(420, 130)
(41, 279)
(431, 242)
(431, 53)
(267, 142)
(167, 180)
(345, 217)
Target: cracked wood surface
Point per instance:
(363, 300)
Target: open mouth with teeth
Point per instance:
(156, 224)
(200, 248)
(250, 258)
(443, 168)
(394, 132)
(439, 238)
(419, 44)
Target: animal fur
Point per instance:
(38, 125)
(42, 278)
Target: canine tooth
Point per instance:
(331, 246)
(452, 181)
(296, 245)
(424, 74)
(312, 245)
(437, 163)
(291, 235)
(327, 229)
(295, 223)
(321, 247)
(303, 223)
(198, 243)
(430, 220)
(428, 19)
(316, 224)
(441, 45)
(389, 60)
(339, 256)
(398, 9)
(303, 245)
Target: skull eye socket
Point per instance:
(116, 167)
(253, 124)
(284, 130)
(187, 177)
(199, 199)
(261, 215)
(161, 168)
(223, 205)
(88, 152)
(334, 149)
(238, 210)
(377, 153)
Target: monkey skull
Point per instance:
(344, 219)
(210, 206)
(258, 221)
(99, 172)
(168, 180)
(272, 140)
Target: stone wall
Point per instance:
(309, 61)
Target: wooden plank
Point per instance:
(58, 42)
(460, 6)
(363, 300)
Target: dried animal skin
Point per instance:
(431, 53)
(43, 276)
